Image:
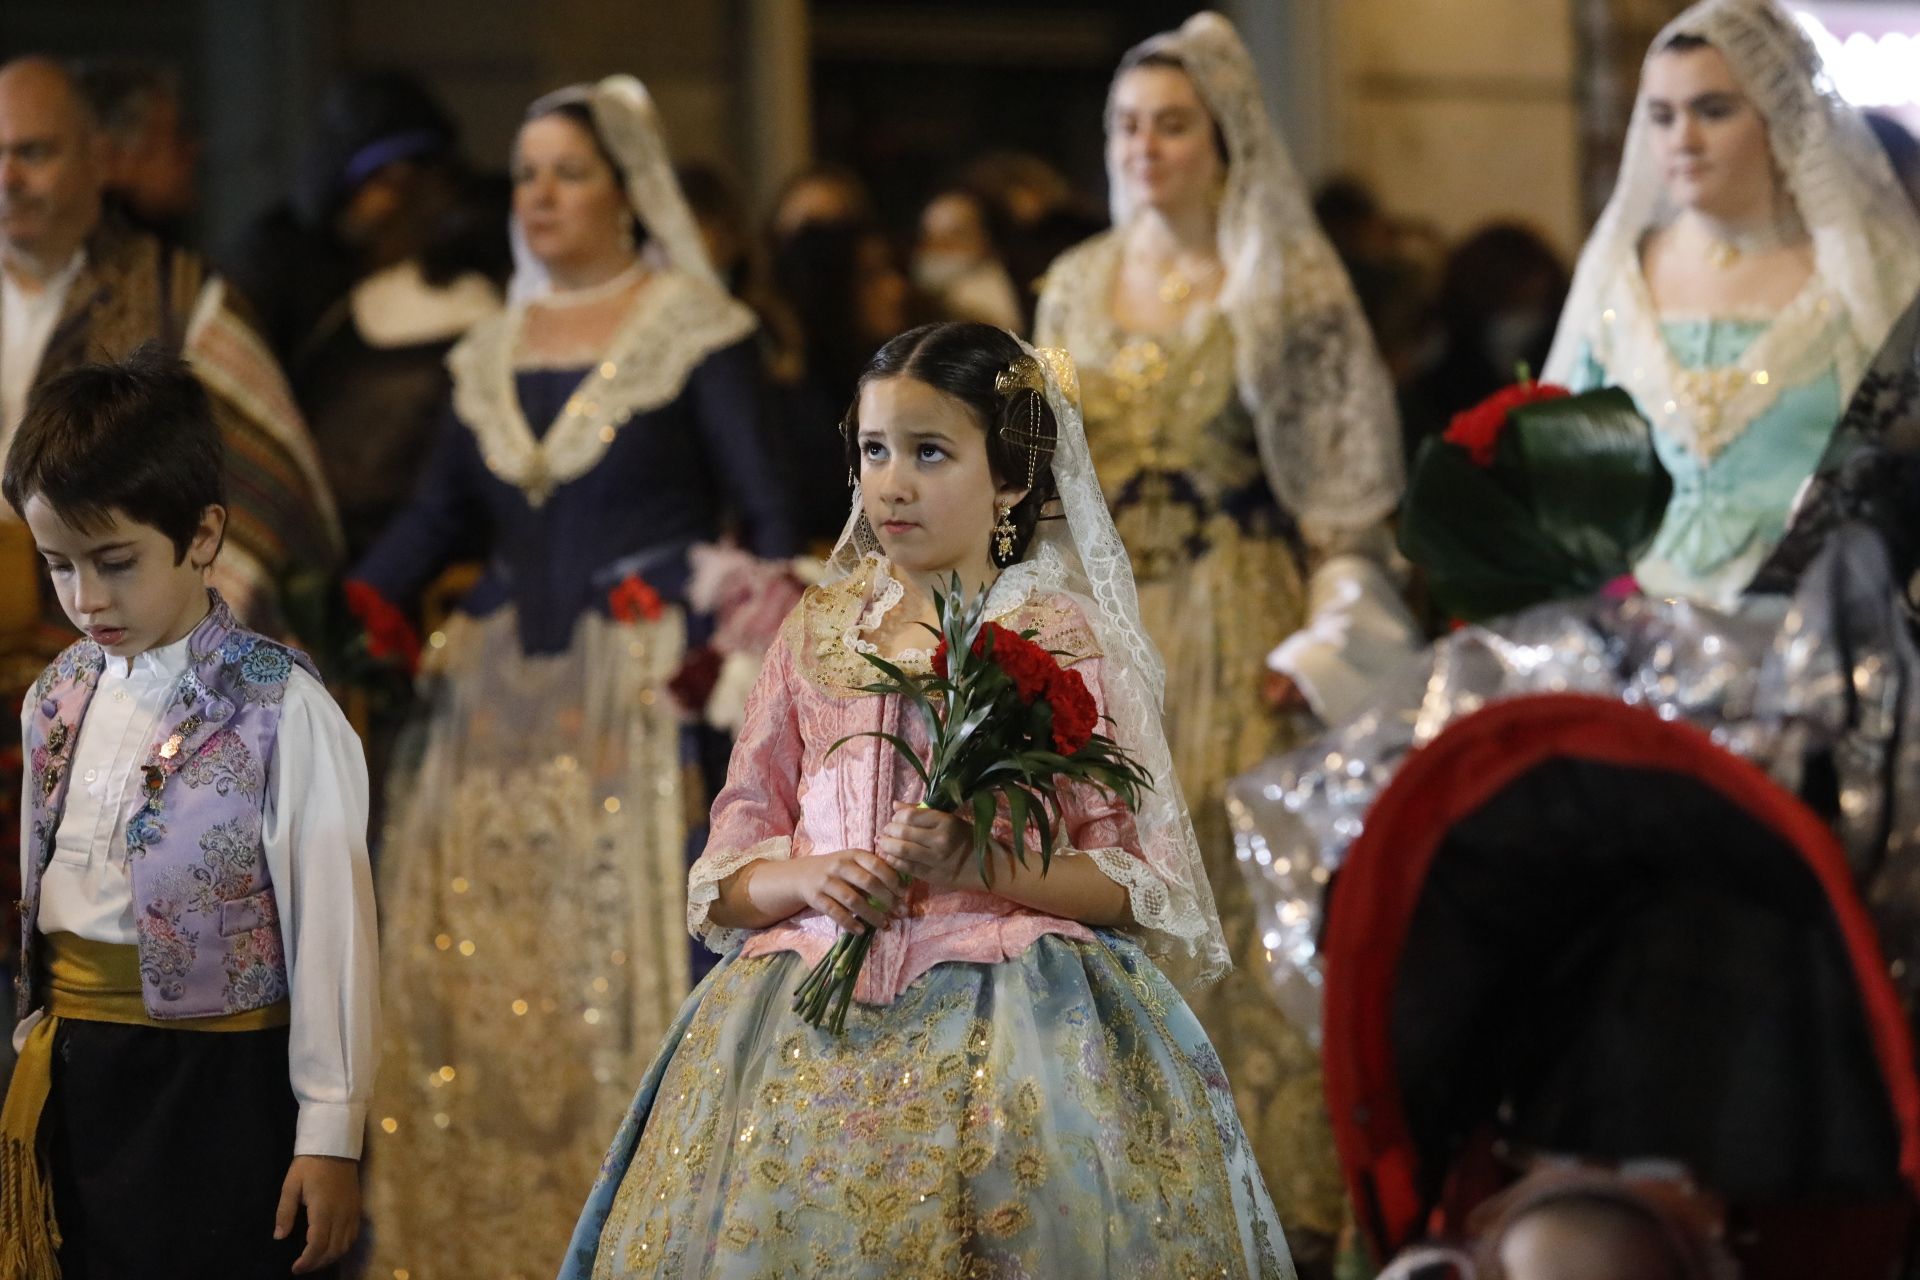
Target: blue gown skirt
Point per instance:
(1059, 1114)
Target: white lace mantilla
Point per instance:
(1305, 361)
(676, 322)
(1863, 229)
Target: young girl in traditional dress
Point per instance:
(1019, 1091)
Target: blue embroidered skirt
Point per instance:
(1058, 1115)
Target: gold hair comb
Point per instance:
(1024, 374)
(1028, 373)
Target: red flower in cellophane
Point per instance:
(1007, 727)
(1477, 430)
(1533, 495)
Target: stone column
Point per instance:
(1613, 37)
(1463, 111)
(777, 96)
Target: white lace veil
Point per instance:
(629, 127)
(1308, 369)
(1081, 554)
(1866, 238)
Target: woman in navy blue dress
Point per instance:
(533, 872)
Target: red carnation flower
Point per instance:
(635, 600)
(389, 634)
(692, 684)
(1074, 714)
(1477, 430)
(1030, 667)
(986, 748)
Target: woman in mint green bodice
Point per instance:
(1750, 263)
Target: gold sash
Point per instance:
(92, 982)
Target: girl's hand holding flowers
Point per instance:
(854, 887)
(929, 845)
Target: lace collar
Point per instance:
(1088, 280)
(1017, 585)
(676, 322)
(1706, 410)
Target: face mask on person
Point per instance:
(1513, 336)
(937, 270)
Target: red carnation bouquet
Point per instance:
(1007, 727)
(1478, 430)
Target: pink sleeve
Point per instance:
(755, 813)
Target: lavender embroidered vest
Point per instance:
(203, 906)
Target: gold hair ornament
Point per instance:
(1028, 374)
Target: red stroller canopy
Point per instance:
(1584, 929)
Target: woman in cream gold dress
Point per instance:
(1244, 431)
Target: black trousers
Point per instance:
(167, 1150)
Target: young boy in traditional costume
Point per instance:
(197, 987)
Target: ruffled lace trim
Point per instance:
(1149, 895)
(676, 322)
(703, 889)
(1016, 587)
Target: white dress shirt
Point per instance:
(27, 321)
(313, 825)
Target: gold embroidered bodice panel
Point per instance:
(1175, 449)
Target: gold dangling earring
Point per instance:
(1003, 535)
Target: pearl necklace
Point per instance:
(564, 298)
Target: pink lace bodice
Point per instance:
(785, 797)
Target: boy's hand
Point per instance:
(929, 845)
(329, 1187)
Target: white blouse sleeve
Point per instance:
(315, 832)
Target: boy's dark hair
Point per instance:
(135, 438)
(965, 359)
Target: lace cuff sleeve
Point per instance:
(1097, 825)
(755, 813)
(703, 889)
